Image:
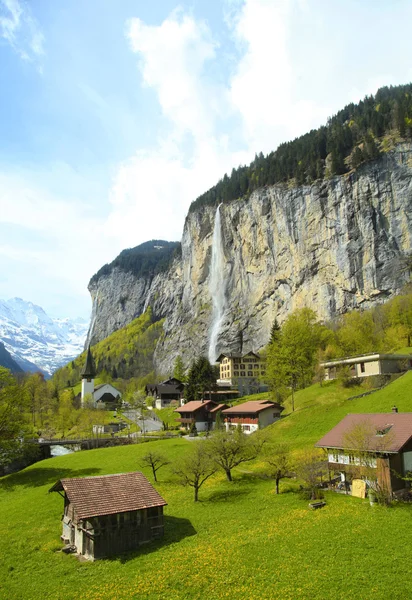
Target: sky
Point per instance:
(116, 114)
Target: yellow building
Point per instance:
(233, 366)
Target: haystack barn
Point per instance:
(110, 514)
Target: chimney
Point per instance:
(394, 409)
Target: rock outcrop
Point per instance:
(335, 245)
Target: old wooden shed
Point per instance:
(110, 514)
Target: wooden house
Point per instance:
(198, 412)
(371, 445)
(165, 392)
(252, 415)
(109, 514)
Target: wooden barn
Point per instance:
(109, 514)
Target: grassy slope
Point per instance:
(241, 541)
(318, 409)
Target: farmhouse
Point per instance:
(109, 514)
(252, 415)
(375, 445)
(198, 412)
(365, 365)
(166, 391)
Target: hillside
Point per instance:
(240, 541)
(127, 353)
(7, 361)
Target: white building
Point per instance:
(252, 415)
(366, 365)
(103, 393)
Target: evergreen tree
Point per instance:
(179, 371)
(274, 332)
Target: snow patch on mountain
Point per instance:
(37, 341)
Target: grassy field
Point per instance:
(241, 540)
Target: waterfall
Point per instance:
(91, 328)
(217, 286)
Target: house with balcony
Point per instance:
(252, 415)
(199, 412)
(365, 365)
(371, 445)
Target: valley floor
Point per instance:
(241, 541)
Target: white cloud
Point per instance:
(153, 189)
(21, 30)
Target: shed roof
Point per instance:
(109, 494)
(194, 405)
(254, 406)
(397, 436)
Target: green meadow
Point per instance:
(240, 541)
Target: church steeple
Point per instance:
(89, 371)
(88, 374)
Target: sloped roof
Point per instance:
(89, 370)
(109, 494)
(97, 387)
(398, 435)
(194, 405)
(254, 406)
(218, 407)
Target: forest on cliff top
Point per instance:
(357, 133)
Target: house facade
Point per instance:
(237, 365)
(252, 415)
(104, 395)
(366, 365)
(107, 515)
(371, 446)
(165, 392)
(198, 412)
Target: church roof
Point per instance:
(89, 370)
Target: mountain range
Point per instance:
(36, 341)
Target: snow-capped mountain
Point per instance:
(37, 341)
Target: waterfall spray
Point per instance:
(217, 286)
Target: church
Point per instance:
(104, 395)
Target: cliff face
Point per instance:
(333, 246)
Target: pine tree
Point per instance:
(274, 332)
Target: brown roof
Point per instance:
(398, 435)
(194, 405)
(109, 494)
(254, 406)
(218, 407)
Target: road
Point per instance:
(149, 424)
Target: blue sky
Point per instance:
(115, 115)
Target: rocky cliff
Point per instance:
(335, 245)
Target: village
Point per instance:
(366, 455)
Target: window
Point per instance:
(362, 367)
(250, 374)
(256, 366)
(242, 366)
(351, 459)
(242, 373)
(246, 427)
(236, 373)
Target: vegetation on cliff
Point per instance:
(354, 135)
(146, 260)
(125, 354)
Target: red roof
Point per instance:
(252, 407)
(109, 494)
(194, 405)
(398, 434)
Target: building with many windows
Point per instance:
(233, 366)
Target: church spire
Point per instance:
(89, 371)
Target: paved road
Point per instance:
(149, 424)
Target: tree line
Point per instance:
(296, 348)
(354, 135)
